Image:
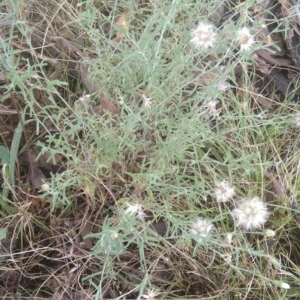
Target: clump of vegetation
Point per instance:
(149, 150)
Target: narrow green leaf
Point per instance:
(12, 158)
(3, 232)
(4, 155)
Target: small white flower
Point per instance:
(114, 235)
(203, 36)
(245, 38)
(150, 295)
(211, 108)
(223, 87)
(250, 214)
(147, 101)
(223, 191)
(135, 209)
(201, 228)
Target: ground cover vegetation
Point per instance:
(149, 149)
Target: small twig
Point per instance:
(32, 52)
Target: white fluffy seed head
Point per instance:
(203, 36)
(223, 191)
(245, 39)
(250, 214)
